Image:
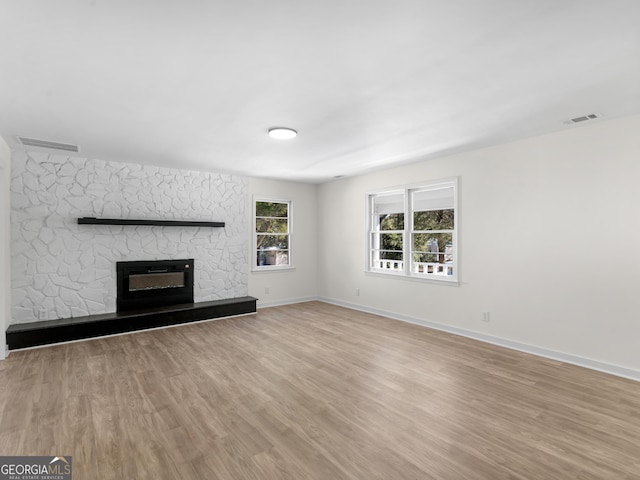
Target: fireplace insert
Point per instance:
(154, 283)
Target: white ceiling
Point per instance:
(196, 84)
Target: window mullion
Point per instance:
(408, 228)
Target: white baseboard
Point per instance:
(502, 342)
(288, 301)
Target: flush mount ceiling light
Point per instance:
(282, 133)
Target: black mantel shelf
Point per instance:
(162, 223)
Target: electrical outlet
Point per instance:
(42, 314)
(266, 290)
(357, 292)
(486, 317)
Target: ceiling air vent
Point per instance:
(584, 118)
(34, 142)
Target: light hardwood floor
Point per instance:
(315, 391)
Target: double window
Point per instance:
(412, 231)
(272, 234)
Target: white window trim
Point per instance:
(406, 272)
(254, 235)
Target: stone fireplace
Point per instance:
(64, 274)
(150, 294)
(62, 269)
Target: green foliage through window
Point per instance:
(392, 221)
(433, 220)
(272, 209)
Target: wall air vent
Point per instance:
(583, 118)
(34, 142)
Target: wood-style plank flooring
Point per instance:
(315, 391)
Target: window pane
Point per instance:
(433, 199)
(390, 203)
(387, 260)
(426, 258)
(390, 255)
(272, 225)
(433, 220)
(272, 257)
(273, 242)
(272, 209)
(433, 247)
(392, 221)
(391, 241)
(423, 265)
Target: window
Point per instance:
(412, 231)
(272, 234)
(387, 236)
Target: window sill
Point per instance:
(414, 278)
(273, 269)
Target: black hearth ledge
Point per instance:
(25, 335)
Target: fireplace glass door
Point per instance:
(154, 283)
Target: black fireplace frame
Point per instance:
(127, 300)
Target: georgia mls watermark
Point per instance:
(35, 468)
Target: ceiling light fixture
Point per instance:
(282, 133)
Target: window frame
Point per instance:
(406, 272)
(371, 232)
(270, 268)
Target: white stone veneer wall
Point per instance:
(61, 269)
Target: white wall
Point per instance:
(61, 269)
(299, 284)
(5, 240)
(549, 238)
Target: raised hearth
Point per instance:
(24, 335)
